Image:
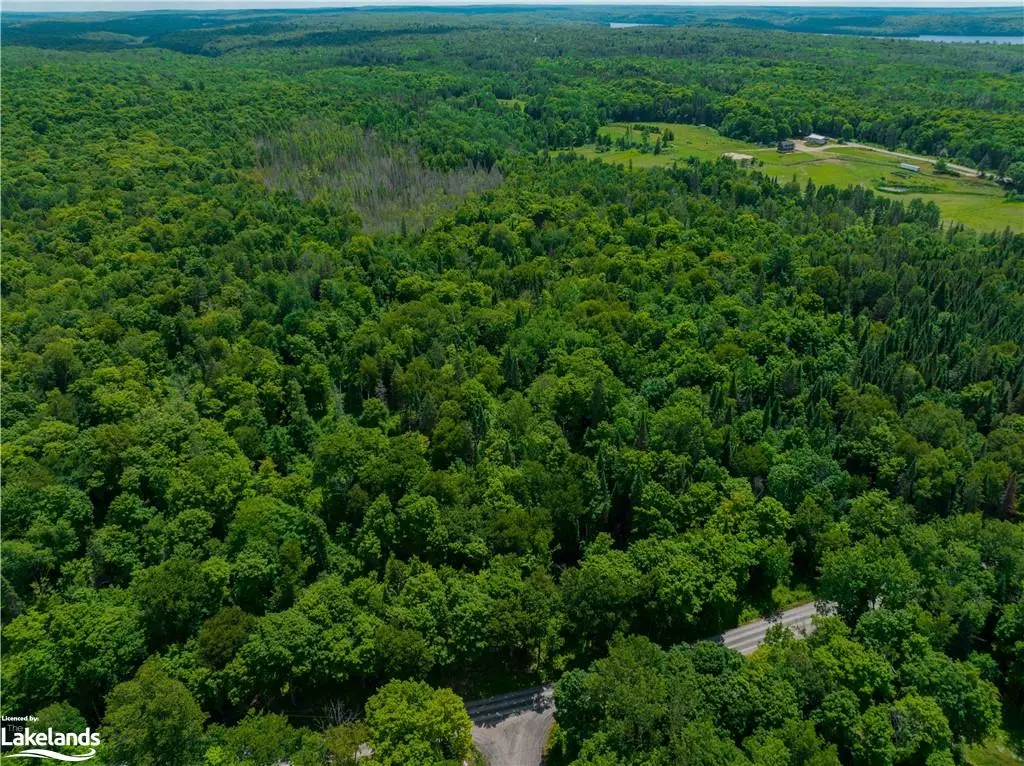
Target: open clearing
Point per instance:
(1005, 747)
(971, 201)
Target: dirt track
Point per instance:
(803, 146)
(512, 729)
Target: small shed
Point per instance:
(911, 168)
(786, 145)
(816, 139)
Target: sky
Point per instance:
(141, 5)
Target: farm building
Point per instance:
(815, 139)
(908, 166)
(786, 145)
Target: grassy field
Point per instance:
(993, 753)
(1006, 747)
(970, 201)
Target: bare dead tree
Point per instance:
(336, 712)
(387, 185)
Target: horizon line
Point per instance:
(130, 6)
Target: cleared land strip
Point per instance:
(511, 729)
(803, 146)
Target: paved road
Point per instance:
(512, 729)
(746, 638)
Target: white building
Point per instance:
(908, 166)
(816, 139)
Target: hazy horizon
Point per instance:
(58, 6)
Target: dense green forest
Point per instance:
(328, 389)
(758, 85)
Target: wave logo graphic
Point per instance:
(41, 753)
(37, 744)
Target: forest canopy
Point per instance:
(331, 394)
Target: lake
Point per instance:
(997, 40)
(989, 39)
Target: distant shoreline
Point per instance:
(960, 39)
(120, 6)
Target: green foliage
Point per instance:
(828, 699)
(264, 455)
(410, 722)
(153, 719)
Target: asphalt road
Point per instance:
(746, 638)
(512, 729)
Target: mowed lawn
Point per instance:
(690, 141)
(970, 201)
